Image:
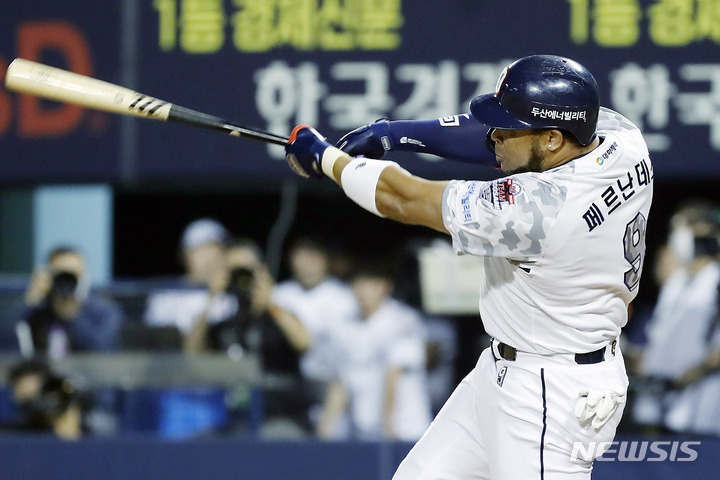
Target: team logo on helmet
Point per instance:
(560, 115)
(501, 80)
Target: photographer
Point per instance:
(198, 292)
(46, 402)
(257, 326)
(260, 328)
(60, 315)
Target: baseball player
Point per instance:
(683, 330)
(380, 360)
(562, 238)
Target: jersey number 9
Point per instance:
(634, 242)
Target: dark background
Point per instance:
(164, 176)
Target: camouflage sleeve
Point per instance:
(612, 120)
(506, 218)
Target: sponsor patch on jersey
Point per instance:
(467, 212)
(612, 149)
(501, 193)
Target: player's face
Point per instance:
(371, 292)
(309, 266)
(518, 150)
(68, 262)
(205, 262)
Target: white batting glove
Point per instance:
(598, 406)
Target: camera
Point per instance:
(55, 397)
(241, 278)
(51, 401)
(64, 284)
(241, 284)
(232, 331)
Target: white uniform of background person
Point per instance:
(681, 334)
(706, 415)
(392, 338)
(181, 304)
(677, 341)
(320, 309)
(563, 250)
(320, 301)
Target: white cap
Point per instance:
(203, 231)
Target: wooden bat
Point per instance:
(56, 84)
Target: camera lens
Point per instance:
(64, 284)
(241, 278)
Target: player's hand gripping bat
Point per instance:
(56, 84)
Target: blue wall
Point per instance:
(140, 458)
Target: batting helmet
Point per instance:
(542, 91)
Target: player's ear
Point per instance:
(554, 139)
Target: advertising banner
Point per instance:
(338, 64)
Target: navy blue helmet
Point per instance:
(542, 91)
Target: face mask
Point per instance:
(682, 244)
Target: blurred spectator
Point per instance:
(261, 328)
(322, 303)
(257, 325)
(318, 300)
(442, 352)
(47, 403)
(381, 385)
(61, 315)
(682, 380)
(177, 317)
(200, 290)
(224, 304)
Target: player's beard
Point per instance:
(535, 160)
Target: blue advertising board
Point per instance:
(44, 141)
(338, 64)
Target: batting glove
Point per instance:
(598, 406)
(371, 140)
(304, 151)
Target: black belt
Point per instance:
(510, 353)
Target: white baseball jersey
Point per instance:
(181, 307)
(678, 330)
(320, 309)
(680, 336)
(393, 337)
(563, 252)
(706, 418)
(563, 248)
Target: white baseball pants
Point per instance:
(514, 420)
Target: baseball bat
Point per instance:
(40, 80)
